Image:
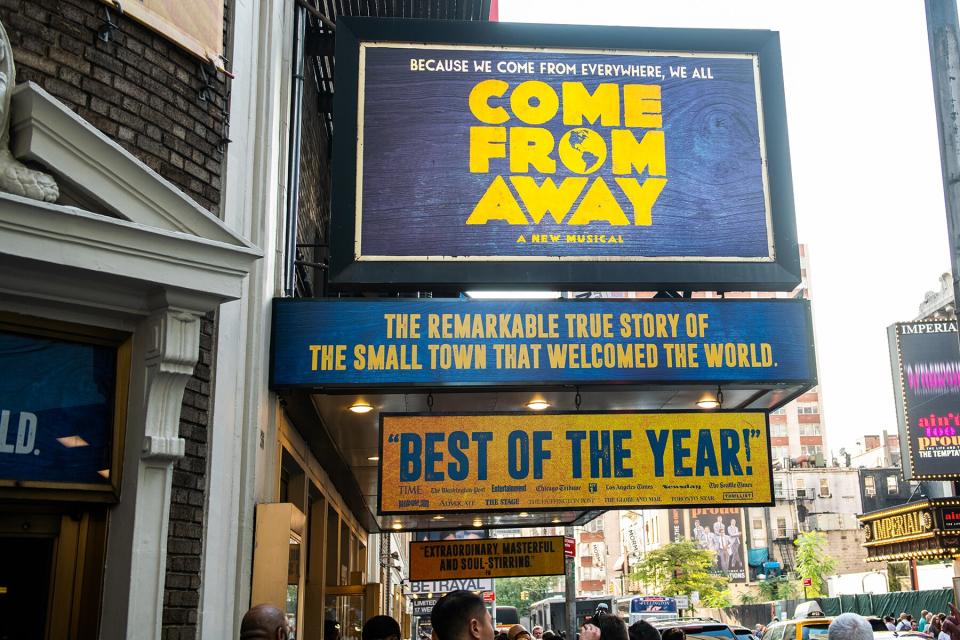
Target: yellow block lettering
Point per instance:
(641, 106)
(497, 203)
(599, 204)
(628, 154)
(547, 102)
(642, 197)
(548, 197)
(479, 101)
(531, 146)
(579, 104)
(486, 143)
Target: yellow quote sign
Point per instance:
(487, 558)
(608, 460)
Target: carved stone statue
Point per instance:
(15, 177)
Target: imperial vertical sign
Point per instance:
(515, 150)
(925, 358)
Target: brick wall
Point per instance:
(143, 92)
(314, 202)
(139, 89)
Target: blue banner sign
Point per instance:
(383, 342)
(524, 153)
(56, 410)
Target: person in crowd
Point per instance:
(461, 615)
(924, 620)
(903, 624)
(264, 622)
(888, 620)
(537, 632)
(380, 628)
(643, 630)
(518, 632)
(604, 627)
(673, 633)
(933, 627)
(758, 630)
(849, 626)
(502, 636)
(950, 625)
(331, 630)
(550, 635)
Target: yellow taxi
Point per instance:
(808, 623)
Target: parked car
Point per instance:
(741, 632)
(698, 629)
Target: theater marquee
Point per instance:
(576, 152)
(928, 529)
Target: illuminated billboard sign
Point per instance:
(925, 359)
(578, 152)
(383, 342)
(608, 460)
(489, 558)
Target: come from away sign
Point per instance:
(383, 342)
(533, 153)
(608, 460)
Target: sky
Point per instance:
(866, 170)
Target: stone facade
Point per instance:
(143, 92)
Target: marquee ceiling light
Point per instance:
(438, 517)
(555, 521)
(538, 404)
(709, 401)
(361, 407)
(374, 458)
(478, 522)
(397, 525)
(524, 514)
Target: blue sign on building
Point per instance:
(384, 342)
(56, 410)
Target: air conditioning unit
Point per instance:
(802, 493)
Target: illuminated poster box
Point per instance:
(577, 153)
(473, 463)
(925, 361)
(488, 558)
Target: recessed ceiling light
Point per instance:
(374, 458)
(478, 523)
(397, 525)
(438, 517)
(555, 521)
(361, 407)
(538, 405)
(73, 441)
(524, 514)
(105, 473)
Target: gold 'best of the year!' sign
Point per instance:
(608, 460)
(487, 558)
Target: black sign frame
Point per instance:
(347, 273)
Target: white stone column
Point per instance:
(166, 346)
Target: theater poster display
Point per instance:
(577, 152)
(925, 359)
(721, 530)
(450, 463)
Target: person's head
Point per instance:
(537, 632)
(518, 632)
(264, 622)
(381, 628)
(612, 628)
(673, 633)
(904, 616)
(461, 615)
(888, 618)
(549, 635)
(331, 630)
(849, 626)
(502, 636)
(913, 625)
(643, 630)
(924, 613)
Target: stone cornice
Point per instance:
(71, 237)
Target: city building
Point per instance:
(875, 451)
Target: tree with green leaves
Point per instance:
(680, 568)
(813, 562)
(777, 588)
(522, 592)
